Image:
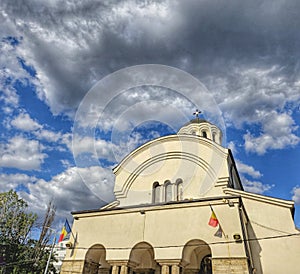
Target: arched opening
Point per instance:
(95, 260)
(196, 257)
(205, 265)
(168, 191)
(204, 134)
(156, 193)
(179, 190)
(141, 259)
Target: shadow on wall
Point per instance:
(255, 249)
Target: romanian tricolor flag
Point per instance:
(65, 231)
(213, 221)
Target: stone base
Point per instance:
(230, 266)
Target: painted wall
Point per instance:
(199, 162)
(166, 228)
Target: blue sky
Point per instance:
(52, 54)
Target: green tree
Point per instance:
(18, 249)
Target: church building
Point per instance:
(181, 208)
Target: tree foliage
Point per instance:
(19, 252)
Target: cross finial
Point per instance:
(197, 112)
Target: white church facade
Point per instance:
(166, 193)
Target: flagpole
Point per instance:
(50, 253)
(220, 227)
(71, 230)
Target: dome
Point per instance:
(196, 121)
(202, 128)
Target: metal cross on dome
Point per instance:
(197, 112)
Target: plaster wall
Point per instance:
(270, 230)
(167, 229)
(197, 161)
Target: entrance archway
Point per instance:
(196, 258)
(95, 260)
(141, 259)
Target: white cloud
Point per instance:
(22, 153)
(87, 150)
(255, 186)
(266, 142)
(279, 124)
(135, 106)
(232, 147)
(48, 135)
(277, 133)
(296, 194)
(249, 93)
(249, 170)
(11, 181)
(70, 193)
(11, 70)
(7, 110)
(96, 147)
(259, 95)
(251, 185)
(24, 122)
(9, 95)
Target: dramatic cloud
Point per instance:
(12, 70)
(245, 52)
(249, 94)
(22, 154)
(89, 151)
(70, 193)
(71, 46)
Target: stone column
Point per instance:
(165, 269)
(175, 269)
(115, 269)
(124, 269)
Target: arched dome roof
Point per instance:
(196, 121)
(202, 128)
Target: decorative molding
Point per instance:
(171, 138)
(110, 205)
(260, 198)
(196, 159)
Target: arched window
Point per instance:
(156, 192)
(204, 134)
(168, 191)
(179, 190)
